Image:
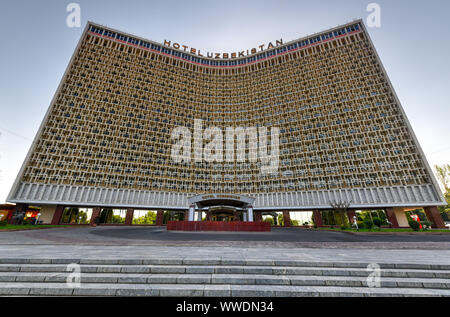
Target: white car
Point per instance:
(447, 225)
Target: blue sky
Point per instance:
(413, 44)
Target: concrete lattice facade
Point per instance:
(106, 139)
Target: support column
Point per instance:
(250, 213)
(286, 218)
(129, 217)
(159, 218)
(95, 214)
(351, 214)
(434, 216)
(317, 218)
(57, 215)
(390, 214)
(191, 213)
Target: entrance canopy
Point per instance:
(211, 200)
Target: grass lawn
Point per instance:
(28, 227)
(389, 230)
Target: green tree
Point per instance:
(148, 219)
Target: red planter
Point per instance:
(218, 226)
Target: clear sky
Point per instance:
(413, 43)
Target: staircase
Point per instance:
(218, 277)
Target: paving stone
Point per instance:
(307, 281)
(109, 269)
(257, 270)
(232, 279)
(9, 268)
(180, 290)
(252, 291)
(162, 261)
(296, 291)
(99, 261)
(194, 279)
(65, 261)
(97, 291)
(13, 290)
(30, 278)
(349, 265)
(167, 269)
(269, 280)
(130, 262)
(46, 290)
(201, 261)
(14, 261)
(43, 268)
(134, 292)
(217, 291)
(5, 278)
(412, 266)
(232, 262)
(133, 279)
(259, 262)
(344, 283)
(442, 274)
(162, 279)
(200, 269)
(135, 269)
(228, 270)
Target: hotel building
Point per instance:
(106, 141)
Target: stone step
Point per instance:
(225, 269)
(191, 290)
(222, 279)
(222, 262)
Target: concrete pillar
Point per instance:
(159, 218)
(434, 216)
(129, 217)
(390, 214)
(317, 218)
(95, 213)
(191, 213)
(351, 214)
(57, 215)
(286, 218)
(245, 216)
(250, 213)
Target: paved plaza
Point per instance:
(296, 244)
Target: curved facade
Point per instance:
(107, 138)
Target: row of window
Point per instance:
(165, 50)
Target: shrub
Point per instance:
(360, 225)
(377, 222)
(3, 223)
(368, 224)
(344, 227)
(426, 224)
(414, 225)
(269, 220)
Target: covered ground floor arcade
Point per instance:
(394, 217)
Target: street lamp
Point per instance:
(37, 219)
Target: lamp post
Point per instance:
(37, 219)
